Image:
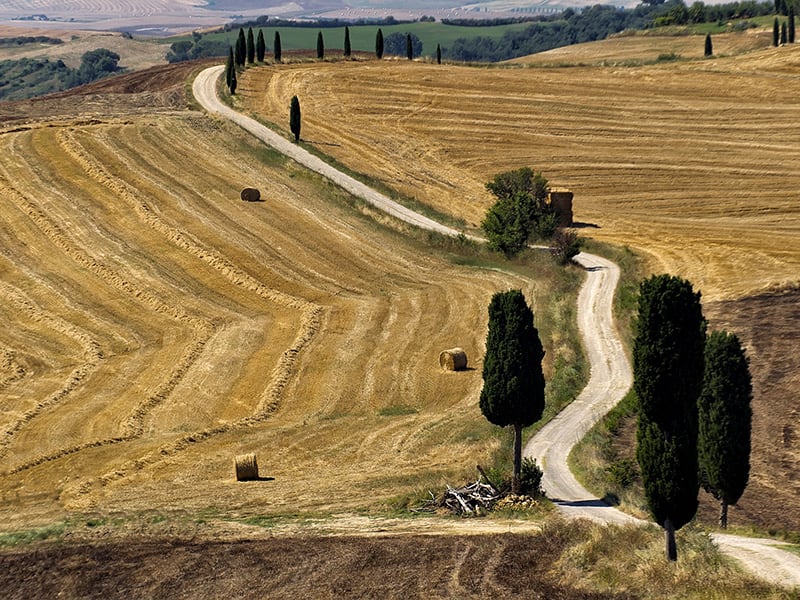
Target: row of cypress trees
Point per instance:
(783, 33)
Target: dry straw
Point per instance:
(246, 467)
(454, 359)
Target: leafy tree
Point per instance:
(724, 421)
(294, 118)
(507, 226)
(396, 44)
(241, 49)
(261, 46)
(96, 64)
(775, 32)
(320, 46)
(277, 46)
(251, 47)
(784, 33)
(566, 245)
(347, 49)
(709, 50)
(668, 373)
(379, 44)
(438, 54)
(513, 382)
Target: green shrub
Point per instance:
(530, 478)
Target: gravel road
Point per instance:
(610, 378)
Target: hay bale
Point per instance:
(454, 359)
(246, 467)
(251, 195)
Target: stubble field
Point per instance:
(691, 164)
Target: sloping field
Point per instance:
(690, 163)
(155, 325)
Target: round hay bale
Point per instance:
(251, 195)
(246, 467)
(454, 359)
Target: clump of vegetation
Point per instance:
(197, 47)
(530, 478)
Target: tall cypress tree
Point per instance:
(409, 47)
(724, 421)
(241, 49)
(784, 33)
(261, 46)
(513, 382)
(277, 46)
(791, 24)
(347, 49)
(438, 54)
(320, 46)
(251, 47)
(709, 50)
(668, 373)
(379, 44)
(294, 118)
(230, 67)
(775, 32)
(234, 83)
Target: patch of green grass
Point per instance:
(397, 410)
(28, 536)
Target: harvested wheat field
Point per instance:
(692, 164)
(156, 326)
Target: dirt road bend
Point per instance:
(610, 378)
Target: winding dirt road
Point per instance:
(610, 378)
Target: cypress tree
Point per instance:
(320, 46)
(234, 83)
(668, 374)
(261, 46)
(438, 54)
(230, 67)
(784, 33)
(724, 421)
(409, 47)
(513, 382)
(791, 24)
(347, 49)
(379, 44)
(294, 118)
(251, 47)
(709, 48)
(277, 46)
(241, 49)
(775, 32)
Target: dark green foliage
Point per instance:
(396, 44)
(320, 46)
(724, 420)
(96, 64)
(240, 52)
(277, 46)
(294, 118)
(668, 370)
(438, 54)
(251, 47)
(521, 211)
(347, 49)
(513, 382)
(379, 44)
(530, 478)
(775, 32)
(566, 245)
(709, 49)
(234, 82)
(198, 47)
(784, 33)
(261, 46)
(22, 40)
(791, 24)
(230, 68)
(409, 47)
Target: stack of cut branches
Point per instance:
(471, 500)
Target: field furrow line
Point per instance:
(10, 369)
(92, 351)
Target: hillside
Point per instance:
(688, 163)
